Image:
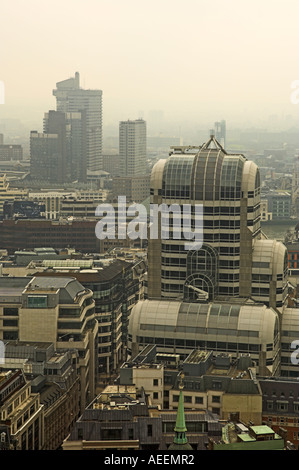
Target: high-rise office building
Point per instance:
(230, 294)
(46, 160)
(70, 98)
(220, 132)
(235, 259)
(59, 153)
(132, 147)
(71, 131)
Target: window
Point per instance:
(111, 434)
(282, 406)
(216, 385)
(216, 398)
(10, 322)
(199, 400)
(8, 311)
(188, 399)
(155, 382)
(296, 407)
(37, 301)
(149, 430)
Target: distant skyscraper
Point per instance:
(71, 98)
(71, 129)
(132, 147)
(220, 132)
(46, 160)
(59, 153)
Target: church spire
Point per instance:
(180, 440)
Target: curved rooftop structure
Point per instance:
(181, 326)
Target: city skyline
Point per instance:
(149, 226)
(154, 56)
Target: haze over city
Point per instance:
(197, 61)
(149, 227)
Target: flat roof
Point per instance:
(197, 356)
(262, 430)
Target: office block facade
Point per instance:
(47, 161)
(37, 233)
(58, 311)
(21, 412)
(70, 127)
(132, 147)
(115, 288)
(11, 152)
(235, 260)
(8, 193)
(54, 379)
(71, 98)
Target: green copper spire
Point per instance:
(180, 439)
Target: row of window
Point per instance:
(203, 330)
(281, 405)
(196, 399)
(209, 345)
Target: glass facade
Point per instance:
(177, 174)
(227, 186)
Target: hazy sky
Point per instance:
(199, 60)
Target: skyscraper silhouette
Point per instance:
(71, 98)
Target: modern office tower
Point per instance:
(115, 289)
(53, 310)
(46, 160)
(58, 154)
(228, 294)
(220, 132)
(132, 147)
(235, 260)
(71, 131)
(71, 98)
